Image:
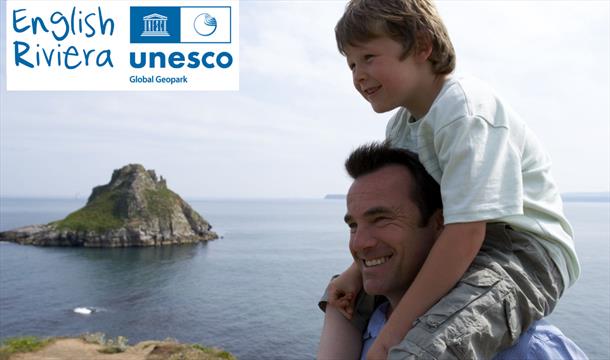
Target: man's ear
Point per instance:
(439, 221)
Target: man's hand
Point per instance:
(342, 291)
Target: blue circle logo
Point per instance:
(205, 24)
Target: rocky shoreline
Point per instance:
(50, 235)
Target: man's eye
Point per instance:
(382, 221)
(368, 57)
(352, 66)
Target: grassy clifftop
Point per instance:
(96, 347)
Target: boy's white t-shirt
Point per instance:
(490, 166)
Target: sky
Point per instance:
(296, 117)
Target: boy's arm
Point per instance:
(340, 339)
(448, 260)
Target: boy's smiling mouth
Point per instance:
(372, 90)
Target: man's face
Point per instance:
(386, 239)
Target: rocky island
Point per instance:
(133, 209)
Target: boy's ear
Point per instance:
(423, 46)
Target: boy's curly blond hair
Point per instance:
(414, 23)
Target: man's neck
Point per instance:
(393, 303)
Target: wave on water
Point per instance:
(85, 310)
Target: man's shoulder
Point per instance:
(543, 341)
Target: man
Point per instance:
(394, 212)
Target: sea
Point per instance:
(253, 292)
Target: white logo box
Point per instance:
(84, 41)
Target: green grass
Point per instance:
(100, 216)
(21, 344)
(111, 350)
(160, 202)
(214, 351)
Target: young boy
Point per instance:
(491, 169)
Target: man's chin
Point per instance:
(372, 287)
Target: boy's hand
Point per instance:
(343, 289)
(342, 301)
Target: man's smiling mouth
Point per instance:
(376, 262)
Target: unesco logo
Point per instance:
(180, 24)
(205, 24)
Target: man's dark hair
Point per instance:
(371, 157)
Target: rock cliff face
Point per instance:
(134, 209)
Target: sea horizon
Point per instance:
(566, 196)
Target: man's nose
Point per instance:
(362, 239)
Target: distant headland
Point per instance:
(133, 209)
(567, 197)
(586, 197)
(334, 197)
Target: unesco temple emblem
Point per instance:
(155, 25)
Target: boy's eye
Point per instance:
(352, 66)
(368, 57)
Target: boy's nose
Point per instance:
(359, 76)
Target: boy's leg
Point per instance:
(511, 283)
